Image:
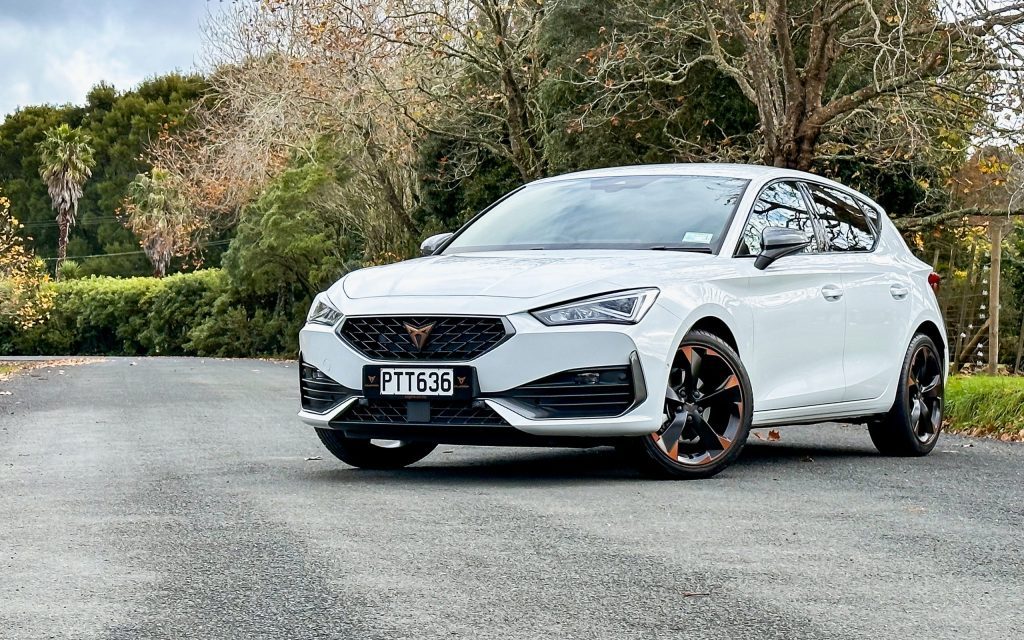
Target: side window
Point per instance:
(780, 205)
(843, 222)
(873, 216)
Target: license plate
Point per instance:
(418, 382)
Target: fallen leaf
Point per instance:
(691, 594)
(758, 436)
(313, 458)
(6, 393)
(773, 435)
(807, 459)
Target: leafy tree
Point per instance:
(67, 161)
(299, 236)
(24, 296)
(121, 124)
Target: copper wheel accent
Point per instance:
(924, 394)
(703, 407)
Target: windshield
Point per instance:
(622, 212)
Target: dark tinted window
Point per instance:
(874, 217)
(844, 224)
(628, 212)
(780, 205)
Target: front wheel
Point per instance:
(373, 454)
(708, 412)
(911, 428)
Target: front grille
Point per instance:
(442, 412)
(450, 338)
(583, 393)
(318, 392)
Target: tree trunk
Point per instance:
(63, 224)
(1020, 346)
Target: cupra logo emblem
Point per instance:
(419, 335)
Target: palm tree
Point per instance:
(158, 214)
(67, 163)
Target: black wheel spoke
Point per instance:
(932, 388)
(670, 436)
(686, 367)
(709, 438)
(925, 424)
(727, 391)
(696, 360)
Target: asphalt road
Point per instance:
(174, 498)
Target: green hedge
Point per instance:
(185, 314)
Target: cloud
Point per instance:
(54, 51)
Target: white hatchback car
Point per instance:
(662, 309)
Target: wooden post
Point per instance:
(995, 230)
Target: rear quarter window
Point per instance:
(845, 224)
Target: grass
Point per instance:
(986, 406)
(7, 369)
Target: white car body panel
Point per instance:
(808, 358)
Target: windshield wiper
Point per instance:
(665, 247)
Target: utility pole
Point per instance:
(995, 231)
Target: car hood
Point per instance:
(507, 274)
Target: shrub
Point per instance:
(184, 314)
(70, 270)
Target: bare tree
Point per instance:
(871, 79)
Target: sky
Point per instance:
(54, 51)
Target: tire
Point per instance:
(366, 455)
(707, 415)
(912, 425)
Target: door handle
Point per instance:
(832, 292)
(898, 291)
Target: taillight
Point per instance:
(933, 281)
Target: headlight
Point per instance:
(323, 312)
(624, 307)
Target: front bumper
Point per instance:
(532, 353)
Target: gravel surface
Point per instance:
(181, 498)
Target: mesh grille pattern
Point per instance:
(591, 393)
(450, 338)
(442, 412)
(318, 392)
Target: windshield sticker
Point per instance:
(699, 238)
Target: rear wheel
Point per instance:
(373, 454)
(707, 412)
(911, 428)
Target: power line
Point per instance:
(129, 253)
(53, 223)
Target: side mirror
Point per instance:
(430, 245)
(777, 242)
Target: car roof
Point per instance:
(754, 172)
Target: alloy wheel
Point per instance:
(924, 394)
(703, 407)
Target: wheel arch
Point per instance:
(716, 326)
(932, 330)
